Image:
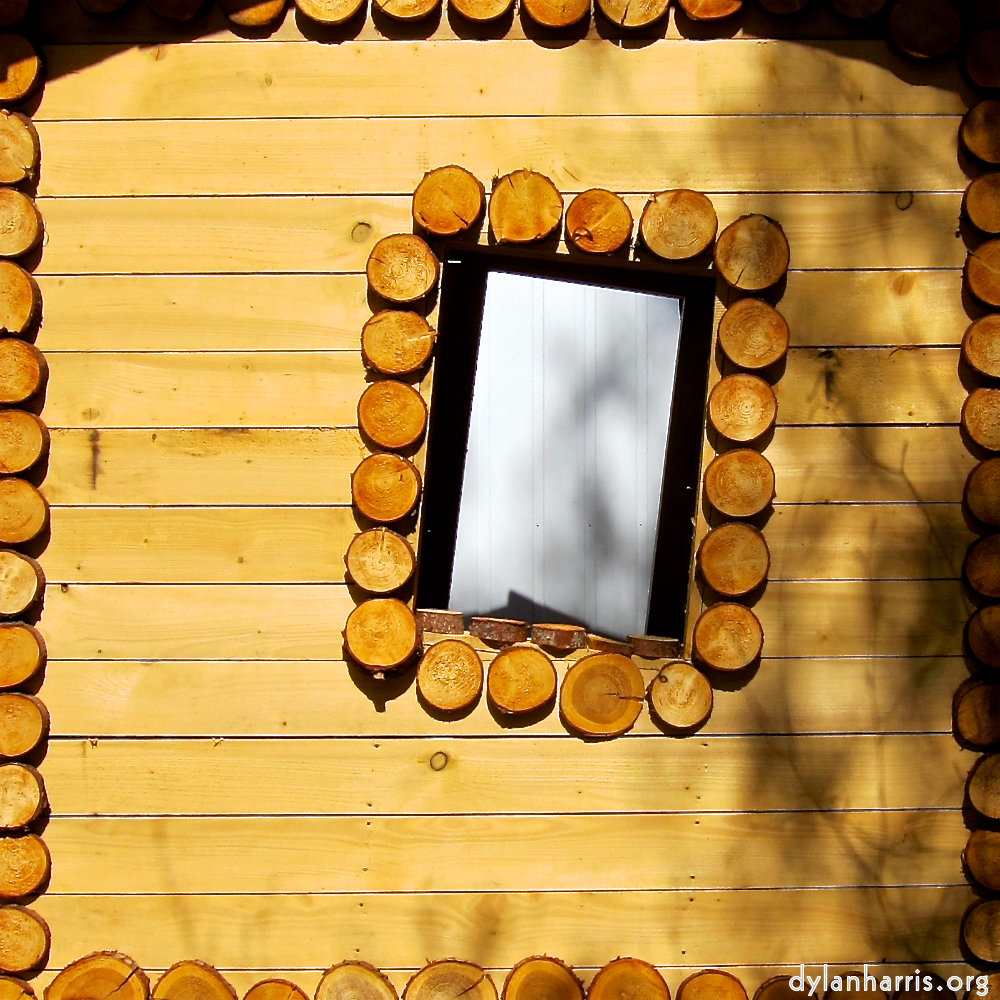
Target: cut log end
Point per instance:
(381, 635)
(24, 724)
(981, 418)
(24, 512)
(15, 989)
(24, 939)
(710, 10)
(980, 131)
(982, 273)
(598, 221)
(12, 11)
(982, 566)
(481, 11)
(521, 679)
(633, 13)
(678, 224)
(602, 695)
(982, 59)
(984, 786)
(981, 203)
(450, 676)
(925, 29)
(982, 492)
(407, 10)
(440, 622)
(380, 561)
(22, 371)
(329, 11)
(252, 13)
(742, 407)
(777, 987)
(981, 345)
(542, 978)
(23, 69)
(753, 334)
(24, 441)
(734, 559)
(504, 631)
(402, 268)
(22, 653)
(680, 696)
(392, 414)
(449, 199)
(525, 206)
(20, 223)
(396, 342)
(20, 300)
(448, 980)
(752, 253)
(739, 483)
(982, 858)
(195, 979)
(385, 487)
(559, 636)
(711, 984)
(275, 989)
(984, 635)
(654, 647)
(628, 977)
(19, 148)
(22, 583)
(981, 930)
(602, 644)
(976, 712)
(22, 796)
(556, 13)
(354, 981)
(24, 866)
(727, 637)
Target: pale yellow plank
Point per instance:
(332, 234)
(500, 929)
(513, 774)
(282, 79)
(326, 312)
(324, 698)
(246, 466)
(351, 854)
(345, 156)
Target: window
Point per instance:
(566, 424)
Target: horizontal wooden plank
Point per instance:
(511, 775)
(584, 928)
(295, 80)
(289, 621)
(335, 234)
(403, 854)
(313, 466)
(323, 698)
(308, 312)
(347, 156)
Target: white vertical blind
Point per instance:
(563, 474)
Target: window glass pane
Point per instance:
(570, 414)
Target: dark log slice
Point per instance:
(982, 59)
(176, 10)
(981, 203)
(12, 11)
(653, 647)
(976, 712)
(252, 13)
(982, 272)
(925, 29)
(981, 418)
(558, 636)
(500, 630)
(329, 11)
(440, 622)
(710, 10)
(982, 858)
(858, 9)
(982, 492)
(778, 988)
(984, 636)
(984, 786)
(981, 345)
(602, 644)
(981, 930)
(982, 566)
(980, 131)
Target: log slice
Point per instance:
(981, 345)
(742, 407)
(982, 272)
(380, 561)
(21, 583)
(23, 69)
(385, 487)
(525, 205)
(980, 131)
(711, 984)
(925, 29)
(633, 13)
(981, 929)
(22, 653)
(24, 939)
(192, 979)
(982, 857)
(440, 621)
(984, 636)
(556, 635)
(22, 371)
(752, 253)
(505, 631)
(24, 865)
(275, 989)
(392, 414)
(24, 723)
(602, 644)
(981, 203)
(402, 268)
(541, 978)
(20, 300)
(734, 559)
(481, 11)
(15, 989)
(396, 342)
(753, 334)
(653, 647)
(862, 994)
(329, 11)
(982, 492)
(24, 440)
(981, 418)
(858, 8)
(602, 695)
(20, 223)
(678, 224)
(556, 13)
(449, 199)
(22, 796)
(739, 483)
(450, 980)
(252, 13)
(176, 10)
(628, 979)
(23, 512)
(982, 566)
(381, 634)
(680, 696)
(19, 148)
(992, 989)
(984, 786)
(777, 987)
(728, 636)
(982, 59)
(976, 712)
(598, 221)
(11, 11)
(521, 679)
(99, 976)
(354, 981)
(710, 10)
(407, 10)
(450, 675)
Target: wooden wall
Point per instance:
(222, 786)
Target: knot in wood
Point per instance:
(439, 761)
